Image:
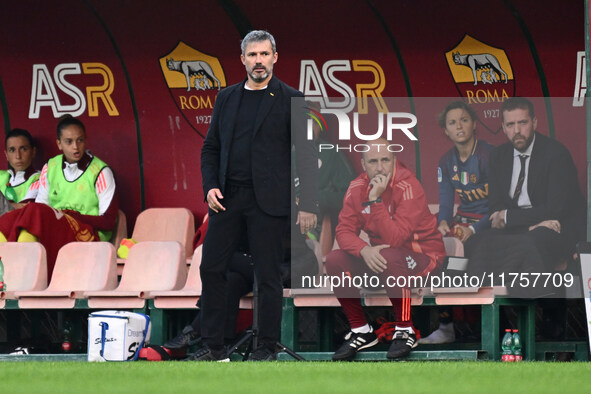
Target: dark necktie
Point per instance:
(521, 178)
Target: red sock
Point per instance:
(354, 311)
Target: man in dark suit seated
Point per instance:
(537, 208)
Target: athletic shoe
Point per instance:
(186, 338)
(207, 354)
(403, 341)
(263, 353)
(354, 342)
(20, 351)
(444, 334)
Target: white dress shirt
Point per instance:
(523, 200)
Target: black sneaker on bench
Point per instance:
(403, 341)
(355, 342)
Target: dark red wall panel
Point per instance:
(155, 137)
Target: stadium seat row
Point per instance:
(84, 270)
(85, 276)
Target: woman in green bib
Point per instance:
(76, 200)
(19, 183)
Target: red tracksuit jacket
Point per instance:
(401, 220)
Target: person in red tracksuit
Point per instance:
(389, 204)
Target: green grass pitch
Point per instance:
(295, 377)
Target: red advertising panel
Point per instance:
(143, 75)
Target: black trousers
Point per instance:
(265, 234)
(240, 278)
(518, 251)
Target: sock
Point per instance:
(2, 238)
(26, 236)
(444, 334)
(354, 312)
(362, 330)
(405, 328)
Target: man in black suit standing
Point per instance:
(247, 180)
(537, 208)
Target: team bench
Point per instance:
(490, 299)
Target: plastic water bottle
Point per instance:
(67, 336)
(507, 347)
(2, 284)
(517, 346)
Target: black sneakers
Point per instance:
(186, 338)
(207, 354)
(403, 341)
(353, 343)
(263, 353)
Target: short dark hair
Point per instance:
(258, 36)
(68, 120)
(455, 105)
(514, 103)
(20, 133)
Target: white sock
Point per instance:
(409, 329)
(362, 330)
(444, 334)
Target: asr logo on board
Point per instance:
(60, 89)
(336, 74)
(483, 75)
(193, 79)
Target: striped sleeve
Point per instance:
(43, 187)
(105, 189)
(33, 191)
(407, 193)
